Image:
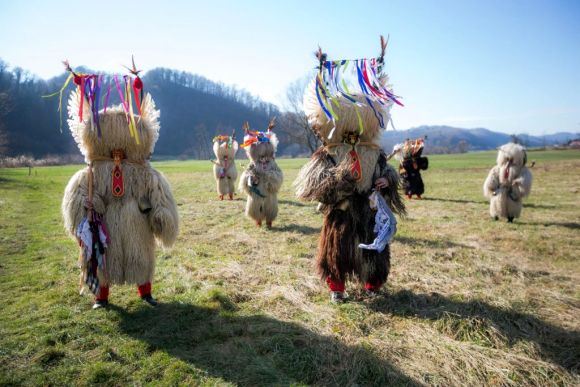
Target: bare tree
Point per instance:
(462, 146)
(5, 108)
(293, 122)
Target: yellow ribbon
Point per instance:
(132, 126)
(70, 76)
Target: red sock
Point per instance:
(103, 293)
(335, 285)
(145, 289)
(375, 286)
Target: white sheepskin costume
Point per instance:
(144, 214)
(224, 169)
(262, 178)
(508, 182)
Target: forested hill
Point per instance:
(193, 110)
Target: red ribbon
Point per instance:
(137, 86)
(82, 86)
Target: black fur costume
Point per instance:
(410, 167)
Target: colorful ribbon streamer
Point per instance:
(256, 137)
(337, 79)
(90, 89)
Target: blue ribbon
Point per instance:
(318, 89)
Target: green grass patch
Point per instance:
(469, 301)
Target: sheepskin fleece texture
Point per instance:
(226, 184)
(145, 213)
(508, 182)
(347, 117)
(261, 182)
(348, 217)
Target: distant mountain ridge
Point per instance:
(448, 139)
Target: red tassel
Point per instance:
(118, 187)
(355, 168)
(117, 184)
(137, 85)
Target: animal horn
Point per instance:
(384, 44)
(133, 70)
(272, 123)
(321, 57)
(246, 127)
(67, 67)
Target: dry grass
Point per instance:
(469, 301)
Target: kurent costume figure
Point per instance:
(262, 178)
(508, 182)
(119, 205)
(224, 169)
(349, 175)
(411, 162)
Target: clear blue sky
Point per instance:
(510, 66)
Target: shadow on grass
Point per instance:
(306, 230)
(456, 200)
(295, 204)
(570, 225)
(431, 243)
(542, 206)
(254, 350)
(474, 320)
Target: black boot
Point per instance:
(100, 304)
(338, 297)
(510, 219)
(148, 298)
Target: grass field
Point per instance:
(469, 301)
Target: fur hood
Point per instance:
(511, 159)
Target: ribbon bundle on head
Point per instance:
(412, 148)
(348, 79)
(223, 138)
(256, 137)
(90, 88)
(252, 137)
